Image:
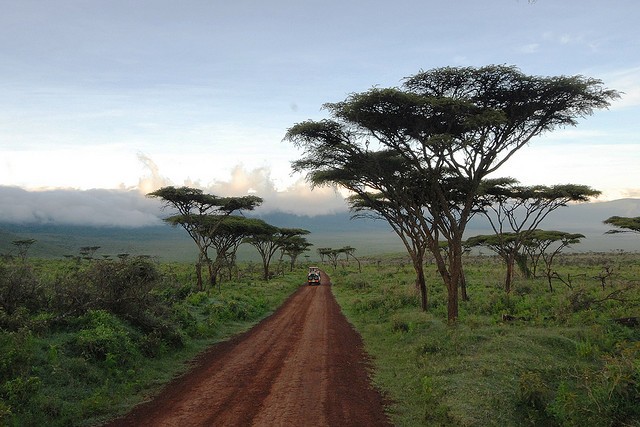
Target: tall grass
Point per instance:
(533, 357)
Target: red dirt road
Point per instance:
(302, 366)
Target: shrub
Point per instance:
(105, 336)
(17, 350)
(124, 287)
(19, 287)
(19, 391)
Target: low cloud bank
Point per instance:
(117, 208)
(128, 207)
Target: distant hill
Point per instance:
(369, 237)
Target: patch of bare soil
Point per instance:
(302, 366)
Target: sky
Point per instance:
(102, 102)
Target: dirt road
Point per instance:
(302, 366)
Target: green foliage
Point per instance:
(19, 288)
(104, 337)
(20, 390)
(101, 333)
(623, 224)
(605, 394)
(532, 357)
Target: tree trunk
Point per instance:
(452, 302)
(421, 282)
(454, 277)
(450, 276)
(199, 275)
(266, 260)
(463, 286)
(508, 279)
(213, 273)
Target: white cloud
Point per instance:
(154, 180)
(612, 171)
(297, 198)
(128, 206)
(530, 48)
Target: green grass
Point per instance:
(563, 364)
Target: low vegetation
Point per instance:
(532, 357)
(84, 339)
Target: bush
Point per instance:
(19, 391)
(18, 385)
(17, 350)
(533, 396)
(124, 287)
(19, 288)
(105, 337)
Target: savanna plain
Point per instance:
(84, 340)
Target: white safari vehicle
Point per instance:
(313, 277)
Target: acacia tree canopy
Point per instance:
(623, 224)
(269, 239)
(451, 127)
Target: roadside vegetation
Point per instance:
(85, 338)
(533, 356)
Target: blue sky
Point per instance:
(131, 95)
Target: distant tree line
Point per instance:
(208, 220)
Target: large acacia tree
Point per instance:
(452, 127)
(200, 215)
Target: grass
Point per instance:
(551, 368)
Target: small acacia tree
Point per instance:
(227, 238)
(349, 253)
(200, 214)
(293, 247)
(545, 245)
(23, 247)
(332, 255)
(268, 239)
(516, 211)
